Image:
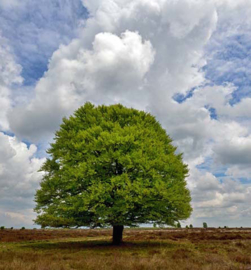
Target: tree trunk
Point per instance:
(117, 234)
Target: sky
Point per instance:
(187, 62)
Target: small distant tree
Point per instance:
(112, 166)
(191, 226)
(154, 225)
(2, 227)
(187, 227)
(178, 225)
(23, 228)
(204, 225)
(11, 228)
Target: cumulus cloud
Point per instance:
(19, 178)
(75, 77)
(219, 202)
(235, 151)
(142, 54)
(228, 52)
(9, 75)
(37, 28)
(72, 78)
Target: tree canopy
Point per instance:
(112, 166)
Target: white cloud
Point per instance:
(239, 171)
(19, 176)
(35, 29)
(141, 53)
(20, 218)
(107, 67)
(236, 150)
(9, 75)
(75, 77)
(218, 201)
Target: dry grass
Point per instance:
(192, 249)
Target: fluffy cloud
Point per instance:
(217, 201)
(125, 72)
(142, 54)
(19, 177)
(37, 28)
(234, 151)
(75, 77)
(9, 75)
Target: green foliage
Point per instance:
(111, 165)
(2, 227)
(11, 228)
(154, 225)
(23, 228)
(191, 226)
(204, 225)
(187, 227)
(178, 225)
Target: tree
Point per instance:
(205, 225)
(178, 225)
(112, 166)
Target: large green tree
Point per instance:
(112, 166)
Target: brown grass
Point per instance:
(179, 249)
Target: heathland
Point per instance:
(175, 249)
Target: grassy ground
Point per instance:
(142, 249)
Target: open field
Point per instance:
(175, 249)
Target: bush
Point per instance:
(2, 228)
(178, 225)
(11, 228)
(204, 225)
(23, 228)
(191, 226)
(187, 227)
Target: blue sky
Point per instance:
(188, 63)
(36, 29)
(235, 52)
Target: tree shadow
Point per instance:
(98, 245)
